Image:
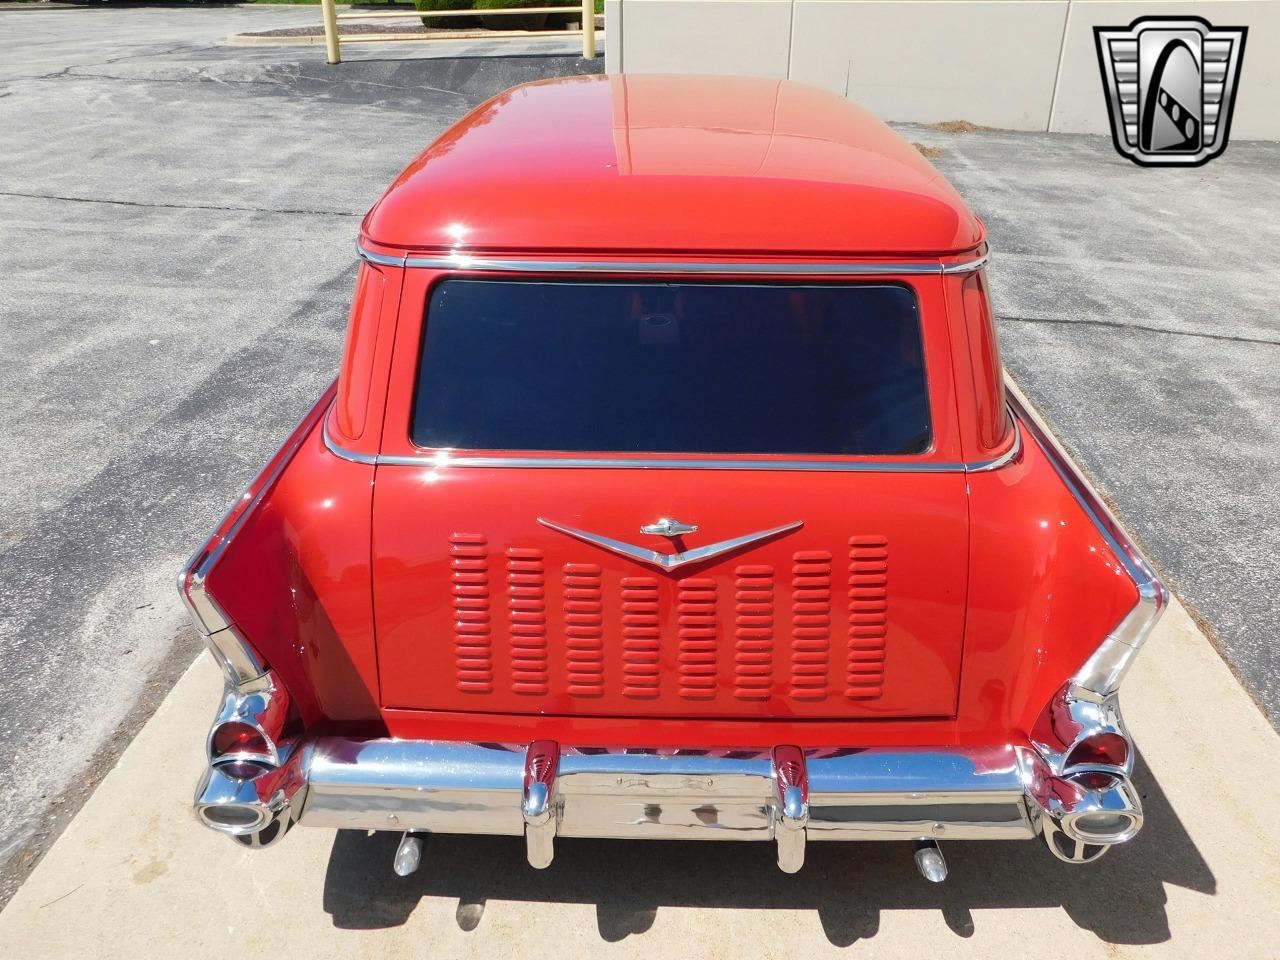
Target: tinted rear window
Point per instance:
(672, 368)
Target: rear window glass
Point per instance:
(672, 368)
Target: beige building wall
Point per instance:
(1018, 64)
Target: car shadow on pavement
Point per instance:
(1121, 898)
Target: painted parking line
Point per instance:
(135, 875)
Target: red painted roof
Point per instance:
(649, 163)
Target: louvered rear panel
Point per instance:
(753, 632)
(693, 642)
(527, 607)
(641, 638)
(810, 624)
(868, 617)
(698, 634)
(583, 618)
(473, 643)
(857, 613)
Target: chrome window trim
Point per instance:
(380, 259)
(465, 262)
(443, 459)
(995, 463)
(368, 459)
(462, 261)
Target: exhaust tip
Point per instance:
(1102, 827)
(233, 818)
(930, 862)
(408, 855)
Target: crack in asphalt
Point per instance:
(181, 206)
(299, 75)
(66, 71)
(202, 76)
(1125, 325)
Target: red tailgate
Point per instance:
(859, 612)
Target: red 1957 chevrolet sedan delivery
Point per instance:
(671, 489)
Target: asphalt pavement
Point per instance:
(176, 228)
(1138, 308)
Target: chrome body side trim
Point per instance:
(467, 262)
(1102, 673)
(670, 561)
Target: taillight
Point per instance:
(1099, 749)
(238, 738)
(1095, 780)
(1083, 739)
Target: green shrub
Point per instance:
(532, 21)
(514, 21)
(446, 5)
(558, 21)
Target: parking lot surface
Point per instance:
(176, 227)
(1136, 309)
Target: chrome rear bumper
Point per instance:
(786, 795)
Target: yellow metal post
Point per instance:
(588, 29)
(331, 30)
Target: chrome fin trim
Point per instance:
(1102, 673)
(233, 653)
(670, 561)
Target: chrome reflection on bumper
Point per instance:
(785, 795)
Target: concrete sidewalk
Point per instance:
(134, 875)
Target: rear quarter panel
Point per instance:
(296, 579)
(1045, 589)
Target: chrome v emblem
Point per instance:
(669, 527)
(669, 561)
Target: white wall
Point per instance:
(1019, 64)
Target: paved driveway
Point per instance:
(176, 226)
